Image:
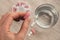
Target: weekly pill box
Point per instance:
(21, 7)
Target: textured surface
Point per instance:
(43, 34)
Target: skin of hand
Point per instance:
(6, 22)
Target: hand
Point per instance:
(5, 23)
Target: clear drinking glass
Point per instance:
(46, 16)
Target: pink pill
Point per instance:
(14, 9)
(22, 3)
(27, 15)
(26, 6)
(17, 4)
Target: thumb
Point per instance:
(24, 28)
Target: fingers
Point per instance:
(3, 19)
(12, 16)
(8, 18)
(24, 28)
(0, 18)
(16, 15)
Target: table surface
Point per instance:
(43, 34)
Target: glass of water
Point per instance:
(46, 16)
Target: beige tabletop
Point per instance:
(43, 34)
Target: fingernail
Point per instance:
(33, 31)
(27, 15)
